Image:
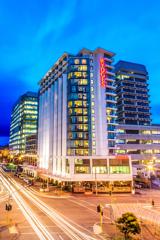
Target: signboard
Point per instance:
(121, 157)
(103, 73)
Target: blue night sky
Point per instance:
(35, 33)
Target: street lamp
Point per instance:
(96, 186)
(150, 169)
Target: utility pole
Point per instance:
(96, 181)
(100, 211)
(8, 208)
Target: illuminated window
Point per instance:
(155, 132)
(93, 126)
(99, 169)
(70, 75)
(80, 135)
(85, 152)
(84, 74)
(92, 103)
(78, 111)
(70, 104)
(92, 95)
(92, 89)
(91, 81)
(78, 74)
(84, 61)
(78, 103)
(93, 143)
(82, 68)
(148, 151)
(108, 111)
(156, 151)
(108, 119)
(85, 111)
(85, 119)
(84, 103)
(76, 61)
(93, 135)
(82, 169)
(120, 131)
(85, 127)
(70, 135)
(94, 151)
(119, 169)
(93, 119)
(83, 82)
(93, 111)
(86, 144)
(146, 132)
(70, 111)
(80, 119)
(91, 74)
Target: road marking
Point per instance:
(27, 233)
(60, 237)
(95, 212)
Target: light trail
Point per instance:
(34, 221)
(65, 225)
(62, 223)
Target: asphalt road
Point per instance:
(73, 217)
(46, 221)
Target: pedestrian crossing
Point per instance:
(156, 206)
(144, 211)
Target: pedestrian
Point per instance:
(152, 203)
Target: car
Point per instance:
(26, 180)
(21, 176)
(139, 186)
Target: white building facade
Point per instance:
(77, 121)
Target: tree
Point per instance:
(128, 225)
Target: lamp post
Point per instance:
(96, 181)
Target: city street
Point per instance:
(73, 217)
(45, 220)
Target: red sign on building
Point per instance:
(103, 76)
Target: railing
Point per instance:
(139, 136)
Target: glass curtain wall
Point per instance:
(78, 125)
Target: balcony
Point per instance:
(139, 136)
(140, 146)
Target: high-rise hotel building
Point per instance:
(24, 119)
(77, 119)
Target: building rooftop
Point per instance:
(129, 66)
(66, 54)
(27, 94)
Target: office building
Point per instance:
(77, 120)
(132, 94)
(141, 143)
(23, 122)
(31, 150)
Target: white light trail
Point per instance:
(67, 226)
(54, 216)
(34, 221)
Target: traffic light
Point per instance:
(98, 208)
(8, 207)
